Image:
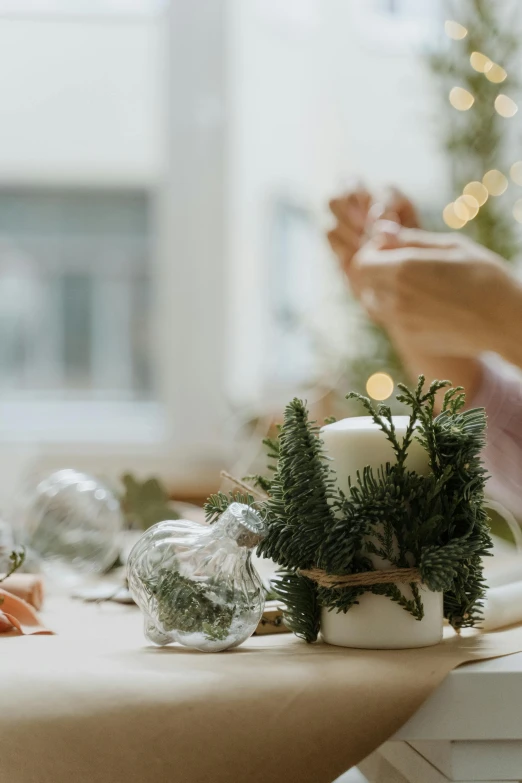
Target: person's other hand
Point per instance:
(434, 293)
(356, 214)
(396, 207)
(351, 212)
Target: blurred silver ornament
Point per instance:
(73, 523)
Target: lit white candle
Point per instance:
(376, 622)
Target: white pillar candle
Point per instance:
(354, 443)
(376, 622)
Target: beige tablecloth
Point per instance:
(95, 704)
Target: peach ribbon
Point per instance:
(18, 617)
(29, 587)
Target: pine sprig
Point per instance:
(218, 503)
(259, 482)
(16, 559)
(414, 605)
(273, 451)
(303, 610)
(299, 508)
(440, 565)
(435, 522)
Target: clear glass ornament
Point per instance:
(73, 524)
(196, 584)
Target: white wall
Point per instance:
(309, 100)
(80, 101)
(316, 94)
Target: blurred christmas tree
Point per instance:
(476, 75)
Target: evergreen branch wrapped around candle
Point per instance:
(301, 594)
(436, 522)
(301, 493)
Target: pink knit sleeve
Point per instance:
(500, 394)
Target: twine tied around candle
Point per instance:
(362, 579)
(335, 581)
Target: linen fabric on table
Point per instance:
(95, 704)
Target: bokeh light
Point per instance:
(466, 207)
(516, 172)
(505, 106)
(478, 191)
(517, 210)
(461, 99)
(495, 182)
(495, 73)
(380, 386)
(450, 218)
(480, 62)
(455, 30)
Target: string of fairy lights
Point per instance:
(475, 194)
(465, 207)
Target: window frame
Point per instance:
(181, 437)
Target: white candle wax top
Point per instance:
(357, 442)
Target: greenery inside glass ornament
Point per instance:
(73, 524)
(196, 584)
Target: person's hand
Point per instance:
(356, 213)
(439, 294)
(351, 212)
(395, 206)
